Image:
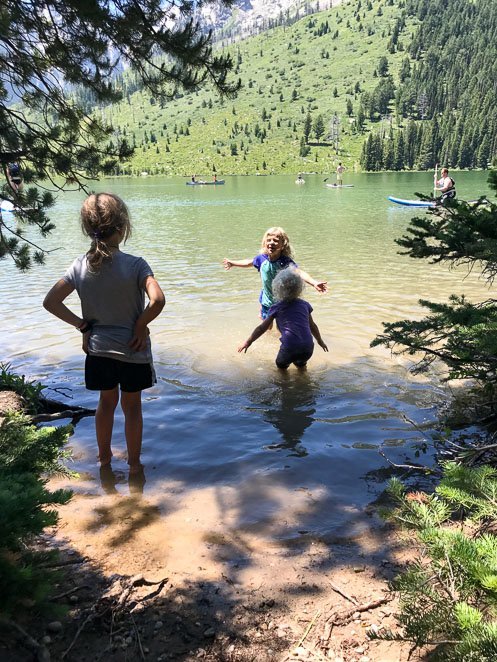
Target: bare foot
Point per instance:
(105, 460)
(136, 481)
(135, 469)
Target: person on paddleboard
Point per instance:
(340, 170)
(446, 185)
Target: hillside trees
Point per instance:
(459, 333)
(448, 78)
(49, 51)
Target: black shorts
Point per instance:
(298, 356)
(104, 374)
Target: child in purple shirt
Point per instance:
(294, 321)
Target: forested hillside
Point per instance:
(375, 84)
(445, 102)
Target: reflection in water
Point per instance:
(293, 405)
(136, 482)
(110, 478)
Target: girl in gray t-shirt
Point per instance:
(114, 321)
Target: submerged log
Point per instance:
(51, 410)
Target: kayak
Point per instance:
(300, 181)
(202, 183)
(7, 206)
(411, 203)
(340, 185)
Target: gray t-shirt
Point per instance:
(112, 298)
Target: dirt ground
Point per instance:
(141, 582)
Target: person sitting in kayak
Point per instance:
(447, 186)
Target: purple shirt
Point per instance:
(292, 318)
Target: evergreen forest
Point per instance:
(444, 102)
(377, 84)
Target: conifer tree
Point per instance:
(319, 127)
(52, 55)
(459, 333)
(307, 127)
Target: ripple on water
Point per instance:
(277, 454)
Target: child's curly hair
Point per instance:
(287, 249)
(102, 215)
(287, 285)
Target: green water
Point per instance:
(220, 418)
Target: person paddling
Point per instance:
(446, 185)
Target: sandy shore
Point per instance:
(158, 576)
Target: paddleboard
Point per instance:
(300, 181)
(340, 185)
(411, 203)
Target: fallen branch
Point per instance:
(411, 467)
(61, 564)
(344, 617)
(90, 616)
(66, 413)
(41, 651)
(152, 594)
(342, 593)
(138, 638)
(59, 596)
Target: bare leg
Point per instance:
(131, 404)
(104, 422)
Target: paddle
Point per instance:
(325, 180)
(435, 181)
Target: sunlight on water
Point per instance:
(219, 418)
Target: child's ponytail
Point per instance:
(102, 215)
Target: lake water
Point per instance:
(217, 419)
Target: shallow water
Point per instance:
(217, 419)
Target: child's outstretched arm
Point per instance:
(316, 333)
(156, 303)
(256, 333)
(319, 285)
(237, 263)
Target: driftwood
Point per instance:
(54, 410)
(344, 617)
(341, 592)
(51, 410)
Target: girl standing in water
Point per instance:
(114, 322)
(294, 321)
(275, 254)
